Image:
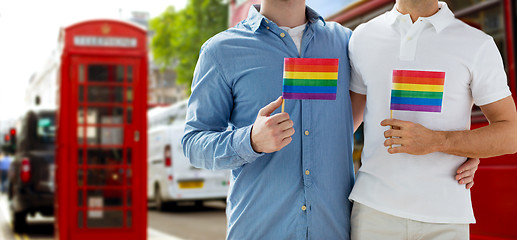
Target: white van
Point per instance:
(171, 178)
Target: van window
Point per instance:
(46, 130)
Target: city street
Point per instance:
(119, 118)
(182, 222)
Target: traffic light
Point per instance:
(12, 136)
(9, 145)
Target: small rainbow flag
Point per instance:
(310, 78)
(417, 90)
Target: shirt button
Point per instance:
(409, 38)
(267, 27)
(304, 208)
(306, 132)
(307, 172)
(282, 34)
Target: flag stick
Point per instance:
(391, 116)
(283, 103)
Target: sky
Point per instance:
(29, 32)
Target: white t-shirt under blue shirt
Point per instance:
(296, 34)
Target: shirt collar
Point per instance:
(255, 19)
(439, 20)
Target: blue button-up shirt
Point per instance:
(5, 163)
(301, 191)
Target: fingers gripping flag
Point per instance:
(417, 90)
(310, 78)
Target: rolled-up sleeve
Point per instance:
(489, 82)
(207, 142)
(357, 83)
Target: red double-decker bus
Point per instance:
(495, 194)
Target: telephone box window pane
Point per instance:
(80, 135)
(130, 74)
(129, 220)
(80, 156)
(129, 198)
(129, 175)
(80, 198)
(80, 115)
(81, 94)
(120, 73)
(81, 73)
(105, 177)
(129, 95)
(105, 115)
(108, 197)
(105, 135)
(105, 73)
(80, 177)
(105, 94)
(108, 156)
(80, 223)
(105, 218)
(130, 115)
(129, 156)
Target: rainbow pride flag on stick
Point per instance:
(310, 78)
(417, 91)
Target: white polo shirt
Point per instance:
(420, 188)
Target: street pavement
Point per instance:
(183, 222)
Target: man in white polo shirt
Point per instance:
(429, 68)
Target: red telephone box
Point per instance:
(102, 132)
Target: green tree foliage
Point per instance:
(179, 35)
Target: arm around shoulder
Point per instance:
(358, 103)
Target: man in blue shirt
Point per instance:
(291, 172)
(5, 162)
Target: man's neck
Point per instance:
(417, 8)
(285, 13)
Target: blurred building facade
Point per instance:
(43, 88)
(163, 89)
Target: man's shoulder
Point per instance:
(334, 27)
(227, 38)
(332, 33)
(375, 23)
(331, 30)
(463, 30)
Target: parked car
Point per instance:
(31, 174)
(171, 178)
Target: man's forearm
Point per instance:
(489, 141)
(218, 150)
(498, 138)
